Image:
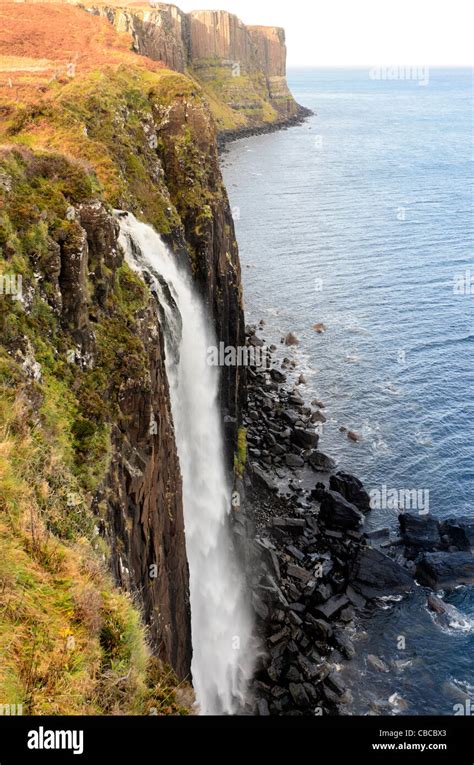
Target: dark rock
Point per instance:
(291, 525)
(298, 573)
(335, 682)
(356, 599)
(351, 489)
(337, 512)
(309, 668)
(332, 606)
(441, 569)
(419, 531)
(277, 450)
(277, 376)
(295, 552)
(318, 417)
(294, 675)
(260, 608)
(319, 628)
(375, 574)
(377, 663)
(294, 461)
(379, 535)
(321, 462)
(344, 644)
(290, 417)
(263, 478)
(305, 439)
(299, 695)
(459, 532)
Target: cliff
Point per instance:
(242, 69)
(88, 487)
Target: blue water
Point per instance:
(362, 218)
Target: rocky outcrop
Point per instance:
(242, 69)
(159, 31)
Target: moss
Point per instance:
(240, 458)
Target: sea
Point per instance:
(359, 223)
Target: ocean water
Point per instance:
(362, 219)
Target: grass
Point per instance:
(70, 641)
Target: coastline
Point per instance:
(225, 137)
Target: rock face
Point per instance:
(141, 495)
(159, 31)
(441, 569)
(243, 68)
(376, 574)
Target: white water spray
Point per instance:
(221, 624)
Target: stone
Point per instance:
(321, 462)
(351, 489)
(331, 607)
(290, 417)
(295, 552)
(263, 478)
(299, 695)
(459, 532)
(442, 569)
(344, 643)
(262, 707)
(291, 339)
(319, 628)
(294, 461)
(290, 525)
(337, 512)
(298, 573)
(277, 376)
(305, 439)
(419, 531)
(375, 574)
(376, 663)
(309, 668)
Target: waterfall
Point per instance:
(221, 625)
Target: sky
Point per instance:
(362, 32)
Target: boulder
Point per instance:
(375, 574)
(263, 478)
(332, 606)
(299, 695)
(459, 531)
(444, 569)
(305, 439)
(291, 339)
(419, 531)
(294, 461)
(291, 525)
(277, 376)
(351, 489)
(321, 462)
(337, 513)
(290, 417)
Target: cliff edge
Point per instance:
(242, 69)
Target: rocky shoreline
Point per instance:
(314, 570)
(225, 137)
